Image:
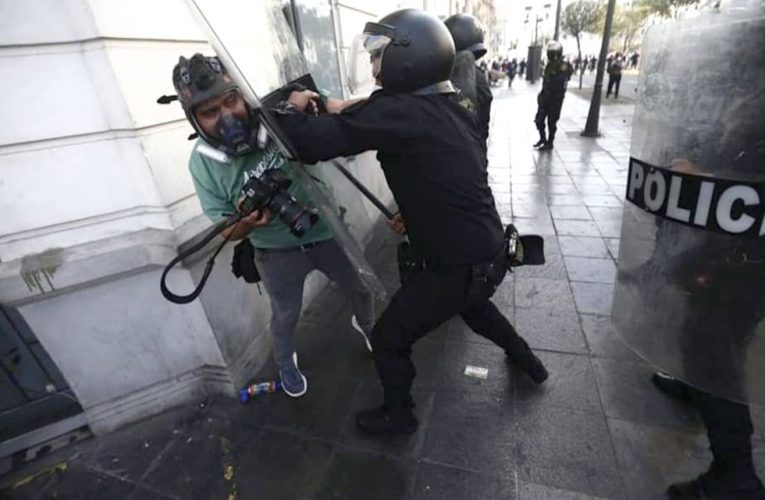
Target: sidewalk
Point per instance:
(596, 429)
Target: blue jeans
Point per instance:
(284, 273)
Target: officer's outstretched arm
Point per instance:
(378, 124)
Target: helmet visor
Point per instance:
(364, 60)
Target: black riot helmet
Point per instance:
(201, 78)
(467, 32)
(554, 50)
(416, 51)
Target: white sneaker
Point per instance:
(356, 327)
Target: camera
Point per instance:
(269, 191)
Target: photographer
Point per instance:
(431, 153)
(216, 109)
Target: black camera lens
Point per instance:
(270, 191)
(304, 221)
(297, 217)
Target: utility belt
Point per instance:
(517, 251)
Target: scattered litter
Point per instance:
(476, 372)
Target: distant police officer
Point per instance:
(468, 34)
(550, 99)
(433, 161)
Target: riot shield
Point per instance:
(463, 79)
(256, 44)
(690, 291)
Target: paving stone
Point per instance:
(579, 246)
(576, 228)
(651, 457)
(358, 474)
(613, 247)
(531, 210)
(603, 339)
(591, 270)
(543, 227)
(440, 482)
(560, 188)
(602, 200)
(609, 228)
(570, 213)
(571, 384)
(75, 482)
(447, 372)
(550, 329)
(628, 393)
(457, 439)
(196, 464)
(553, 268)
(543, 293)
(320, 413)
(128, 455)
(531, 491)
(527, 187)
(499, 187)
(593, 187)
(272, 466)
(592, 298)
(566, 449)
(575, 200)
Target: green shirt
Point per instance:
(219, 186)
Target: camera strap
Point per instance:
(216, 230)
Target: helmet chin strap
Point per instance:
(444, 87)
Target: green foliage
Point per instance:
(663, 8)
(581, 17)
(628, 23)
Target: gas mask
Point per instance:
(234, 135)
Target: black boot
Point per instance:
(527, 361)
(673, 387)
(542, 139)
(384, 420)
(707, 486)
(547, 146)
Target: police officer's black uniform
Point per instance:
(432, 157)
(550, 99)
(726, 293)
(483, 108)
(468, 34)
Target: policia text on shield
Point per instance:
(702, 201)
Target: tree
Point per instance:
(628, 22)
(664, 8)
(580, 17)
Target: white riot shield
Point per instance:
(690, 293)
(255, 43)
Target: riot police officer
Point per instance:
(725, 287)
(690, 294)
(468, 33)
(550, 99)
(431, 154)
